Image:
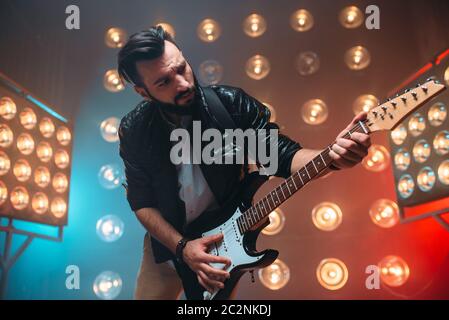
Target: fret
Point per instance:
(307, 172)
(289, 184)
(363, 127)
(286, 191)
(269, 207)
(243, 222)
(278, 201)
(239, 225)
(282, 193)
(263, 206)
(302, 181)
(293, 179)
(272, 200)
(250, 222)
(315, 166)
(321, 155)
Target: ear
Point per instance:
(142, 92)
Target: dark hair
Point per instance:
(144, 45)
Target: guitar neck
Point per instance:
(261, 209)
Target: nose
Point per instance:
(182, 84)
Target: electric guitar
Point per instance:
(241, 221)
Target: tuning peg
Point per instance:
(414, 94)
(384, 109)
(393, 103)
(404, 99)
(391, 116)
(424, 88)
(382, 117)
(375, 114)
(406, 90)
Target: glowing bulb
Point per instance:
(399, 134)
(5, 163)
(209, 30)
(332, 273)
(357, 58)
(25, 144)
(6, 136)
(44, 151)
(275, 276)
(402, 159)
(39, 203)
(384, 213)
(112, 81)
(443, 172)
(46, 127)
(19, 198)
(327, 216)
(377, 159)
(301, 20)
(351, 17)
(314, 112)
(63, 136)
(22, 170)
(394, 271)
(406, 186)
(416, 124)
(426, 179)
(60, 182)
(277, 221)
(42, 176)
(28, 118)
(437, 114)
(110, 228)
(8, 108)
(421, 151)
(364, 103)
(441, 142)
(111, 176)
(210, 72)
(254, 25)
(58, 207)
(109, 129)
(107, 285)
(3, 193)
(257, 67)
(115, 38)
(307, 63)
(62, 159)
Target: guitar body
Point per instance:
(240, 249)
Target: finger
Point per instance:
(213, 238)
(353, 146)
(210, 281)
(214, 271)
(361, 138)
(203, 284)
(359, 117)
(339, 161)
(211, 258)
(346, 154)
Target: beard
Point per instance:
(180, 109)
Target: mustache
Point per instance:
(185, 93)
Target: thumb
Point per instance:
(213, 238)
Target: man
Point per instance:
(166, 197)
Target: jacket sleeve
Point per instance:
(248, 112)
(139, 190)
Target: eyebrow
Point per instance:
(165, 76)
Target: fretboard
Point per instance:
(261, 209)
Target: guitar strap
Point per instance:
(219, 111)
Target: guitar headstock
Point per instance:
(388, 115)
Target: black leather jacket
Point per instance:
(152, 177)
